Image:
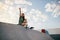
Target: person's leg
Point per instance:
(31, 27)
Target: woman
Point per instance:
(21, 18)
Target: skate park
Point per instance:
(17, 32)
(40, 20)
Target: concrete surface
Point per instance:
(17, 32)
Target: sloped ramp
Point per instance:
(17, 32)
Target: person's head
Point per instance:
(22, 14)
(43, 30)
(24, 23)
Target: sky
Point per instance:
(40, 14)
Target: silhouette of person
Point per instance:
(44, 31)
(21, 17)
(23, 21)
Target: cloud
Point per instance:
(9, 12)
(58, 1)
(54, 8)
(9, 2)
(23, 2)
(17, 2)
(50, 7)
(3, 6)
(36, 18)
(37, 14)
(24, 9)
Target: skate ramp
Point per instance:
(17, 32)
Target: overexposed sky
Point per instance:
(39, 13)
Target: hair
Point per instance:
(43, 30)
(23, 13)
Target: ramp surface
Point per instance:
(17, 32)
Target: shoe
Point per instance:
(31, 27)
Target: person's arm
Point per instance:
(20, 11)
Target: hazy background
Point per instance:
(39, 13)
